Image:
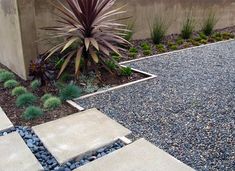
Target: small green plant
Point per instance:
(133, 52)
(32, 112)
(116, 57)
(111, 65)
(145, 46)
(195, 43)
(35, 84)
(158, 30)
(198, 39)
(209, 24)
(161, 48)
(6, 75)
(147, 52)
(227, 35)
(66, 77)
(187, 28)
(202, 36)
(129, 34)
(2, 70)
(17, 91)
(126, 71)
(45, 97)
(217, 36)
(25, 100)
(173, 47)
(70, 92)
(179, 41)
(169, 43)
(11, 84)
(203, 41)
(52, 103)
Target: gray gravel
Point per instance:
(188, 110)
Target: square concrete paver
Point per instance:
(15, 155)
(5, 123)
(138, 156)
(75, 135)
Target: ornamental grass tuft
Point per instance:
(25, 100)
(18, 91)
(70, 92)
(6, 75)
(52, 103)
(11, 84)
(32, 112)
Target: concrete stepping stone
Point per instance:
(5, 123)
(79, 134)
(138, 156)
(15, 155)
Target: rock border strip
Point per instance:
(49, 163)
(174, 51)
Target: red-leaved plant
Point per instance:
(93, 26)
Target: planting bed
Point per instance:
(88, 84)
(172, 42)
(48, 162)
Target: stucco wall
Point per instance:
(11, 52)
(17, 35)
(143, 12)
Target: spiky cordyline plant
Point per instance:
(90, 24)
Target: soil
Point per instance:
(8, 102)
(169, 38)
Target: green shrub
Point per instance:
(52, 103)
(2, 70)
(198, 39)
(227, 35)
(35, 84)
(116, 58)
(179, 41)
(70, 92)
(203, 36)
(45, 97)
(169, 43)
(25, 100)
(111, 65)
(161, 48)
(187, 28)
(11, 84)
(133, 52)
(17, 91)
(66, 77)
(126, 71)
(32, 112)
(203, 41)
(6, 75)
(195, 43)
(158, 30)
(145, 46)
(173, 47)
(133, 49)
(147, 52)
(209, 24)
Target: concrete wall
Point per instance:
(144, 11)
(17, 35)
(21, 21)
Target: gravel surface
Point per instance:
(45, 158)
(188, 110)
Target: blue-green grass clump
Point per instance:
(11, 84)
(70, 92)
(25, 100)
(32, 112)
(52, 103)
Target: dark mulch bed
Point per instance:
(172, 39)
(8, 102)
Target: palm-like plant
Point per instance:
(93, 27)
